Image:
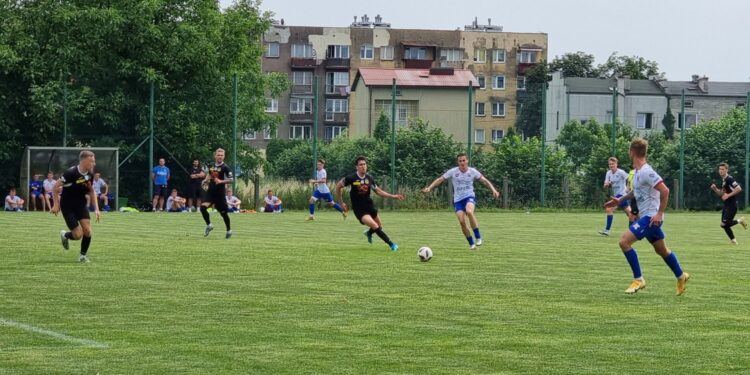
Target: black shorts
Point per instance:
(728, 212)
(160, 191)
(219, 201)
(359, 212)
(194, 190)
(73, 215)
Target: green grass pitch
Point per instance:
(544, 294)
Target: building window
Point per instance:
(337, 83)
(272, 105)
(527, 57)
(303, 81)
(338, 52)
(451, 54)
(405, 110)
(302, 50)
(498, 109)
(498, 82)
(480, 81)
(272, 50)
(366, 52)
(386, 53)
(521, 83)
(300, 105)
(608, 117)
(688, 104)
(497, 135)
(337, 105)
(415, 53)
(249, 135)
(267, 134)
(643, 120)
(498, 56)
(480, 109)
(478, 135)
(480, 55)
(300, 132)
(334, 132)
(690, 120)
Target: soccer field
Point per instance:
(544, 294)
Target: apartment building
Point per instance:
(332, 57)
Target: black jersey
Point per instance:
(195, 171)
(728, 186)
(360, 191)
(76, 186)
(222, 172)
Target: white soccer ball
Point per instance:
(424, 253)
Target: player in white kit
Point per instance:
(617, 179)
(322, 191)
(464, 199)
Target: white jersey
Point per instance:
(644, 188)
(463, 182)
(618, 181)
(49, 184)
(322, 186)
(98, 185)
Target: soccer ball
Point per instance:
(424, 253)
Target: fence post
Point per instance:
(256, 190)
(506, 199)
(566, 192)
(677, 194)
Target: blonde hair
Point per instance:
(85, 154)
(639, 146)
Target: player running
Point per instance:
(322, 191)
(617, 179)
(728, 193)
(218, 176)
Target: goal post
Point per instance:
(38, 160)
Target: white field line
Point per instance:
(57, 335)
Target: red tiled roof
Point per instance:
(415, 78)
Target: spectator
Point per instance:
(273, 203)
(101, 189)
(175, 203)
(160, 175)
(13, 202)
(197, 174)
(49, 188)
(233, 202)
(36, 188)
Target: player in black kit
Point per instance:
(194, 188)
(728, 193)
(76, 185)
(364, 208)
(216, 179)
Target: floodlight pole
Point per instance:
(543, 184)
(393, 140)
(315, 127)
(747, 147)
(681, 198)
(614, 120)
(469, 135)
(65, 114)
(151, 137)
(234, 129)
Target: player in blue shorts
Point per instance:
(322, 191)
(617, 179)
(652, 196)
(464, 199)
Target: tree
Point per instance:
(576, 64)
(529, 118)
(633, 66)
(382, 128)
(668, 122)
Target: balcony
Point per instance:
(303, 63)
(337, 117)
(417, 64)
(337, 63)
(302, 89)
(301, 117)
(452, 64)
(524, 67)
(337, 90)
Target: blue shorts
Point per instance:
(624, 203)
(643, 229)
(326, 196)
(461, 205)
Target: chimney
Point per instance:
(703, 84)
(695, 78)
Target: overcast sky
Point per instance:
(684, 37)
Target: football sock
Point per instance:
(337, 207)
(225, 216)
(476, 233)
(204, 213)
(632, 258)
(471, 240)
(69, 235)
(673, 264)
(733, 223)
(729, 232)
(383, 236)
(312, 208)
(609, 221)
(85, 242)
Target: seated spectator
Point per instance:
(176, 203)
(233, 203)
(35, 194)
(13, 202)
(101, 189)
(49, 186)
(273, 203)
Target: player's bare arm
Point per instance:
(434, 184)
(386, 194)
(488, 184)
(56, 197)
(339, 188)
(95, 199)
(614, 202)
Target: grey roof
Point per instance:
(578, 85)
(738, 89)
